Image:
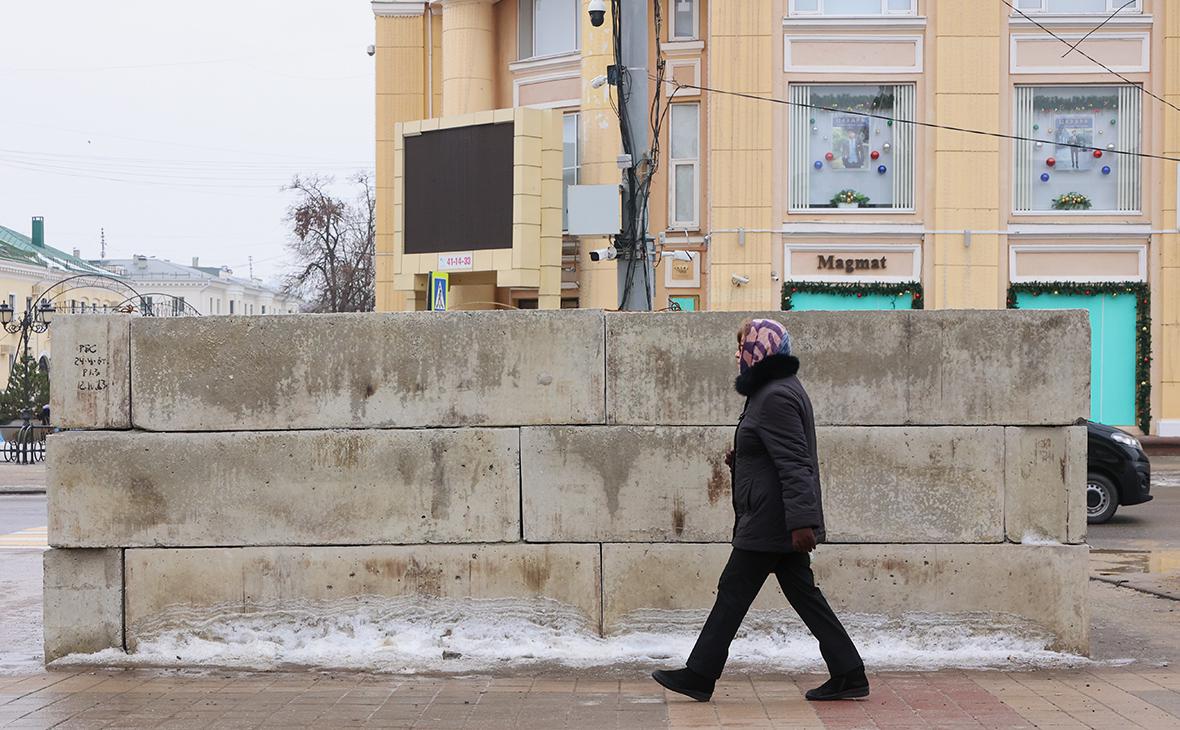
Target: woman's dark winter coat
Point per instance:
(776, 467)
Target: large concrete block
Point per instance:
(367, 370)
(1042, 584)
(1045, 484)
(168, 589)
(861, 368)
(83, 610)
(912, 484)
(619, 484)
(652, 484)
(90, 382)
(284, 488)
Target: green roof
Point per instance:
(18, 247)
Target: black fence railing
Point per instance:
(27, 445)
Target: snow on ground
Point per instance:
(410, 636)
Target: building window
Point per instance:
(231, 306)
(684, 19)
(12, 302)
(854, 7)
(146, 307)
(1078, 7)
(571, 162)
(264, 309)
(684, 158)
(841, 157)
(1072, 164)
(548, 27)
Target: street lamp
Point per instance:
(36, 319)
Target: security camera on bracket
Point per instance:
(604, 254)
(597, 10)
(739, 280)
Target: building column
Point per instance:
(741, 152)
(967, 92)
(402, 65)
(1166, 289)
(469, 59)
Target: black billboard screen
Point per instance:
(458, 185)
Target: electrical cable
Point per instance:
(918, 123)
(1073, 47)
(1089, 57)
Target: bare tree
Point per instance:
(333, 240)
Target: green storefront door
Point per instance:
(1112, 355)
(827, 301)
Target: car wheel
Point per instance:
(1102, 499)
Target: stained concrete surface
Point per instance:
(874, 368)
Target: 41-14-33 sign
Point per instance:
(455, 261)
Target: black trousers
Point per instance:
(743, 577)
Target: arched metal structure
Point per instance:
(157, 304)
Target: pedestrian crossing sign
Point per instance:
(440, 286)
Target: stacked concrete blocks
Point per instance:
(571, 458)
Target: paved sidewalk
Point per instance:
(1098, 698)
(21, 478)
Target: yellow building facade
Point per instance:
(844, 187)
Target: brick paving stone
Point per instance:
(1096, 698)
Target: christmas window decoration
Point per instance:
(909, 291)
(845, 137)
(1080, 153)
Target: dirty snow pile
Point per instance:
(412, 635)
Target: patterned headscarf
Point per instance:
(764, 338)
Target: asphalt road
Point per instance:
(21, 511)
(1154, 525)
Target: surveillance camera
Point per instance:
(677, 255)
(598, 82)
(738, 279)
(597, 12)
(371, 50)
(603, 254)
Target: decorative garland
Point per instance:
(1142, 294)
(912, 290)
(1075, 104)
(1072, 201)
(853, 102)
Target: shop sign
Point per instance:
(852, 265)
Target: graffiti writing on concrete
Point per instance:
(92, 367)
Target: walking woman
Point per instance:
(779, 519)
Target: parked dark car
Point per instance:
(1119, 473)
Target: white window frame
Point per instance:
(526, 11)
(1111, 6)
(673, 163)
(577, 167)
(885, 11)
(696, 22)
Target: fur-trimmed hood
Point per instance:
(774, 367)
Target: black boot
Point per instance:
(848, 686)
(686, 682)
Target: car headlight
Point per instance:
(1126, 440)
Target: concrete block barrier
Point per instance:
(863, 368)
(130, 489)
(167, 588)
(83, 609)
(1044, 585)
(367, 371)
(619, 484)
(91, 383)
(670, 484)
(1045, 494)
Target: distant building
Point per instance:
(29, 268)
(208, 290)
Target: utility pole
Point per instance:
(636, 276)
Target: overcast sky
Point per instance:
(173, 125)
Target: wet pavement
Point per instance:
(1097, 698)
